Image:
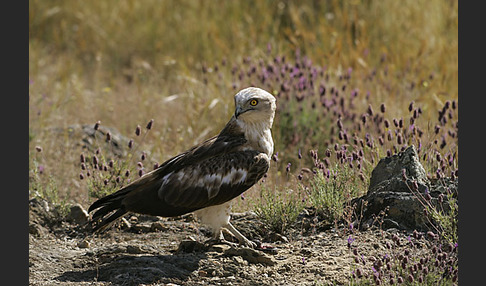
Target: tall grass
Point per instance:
(191, 32)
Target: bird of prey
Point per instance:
(205, 178)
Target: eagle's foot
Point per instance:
(248, 243)
(215, 241)
(241, 238)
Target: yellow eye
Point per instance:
(253, 102)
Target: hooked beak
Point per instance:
(238, 111)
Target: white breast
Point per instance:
(259, 136)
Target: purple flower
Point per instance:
(275, 157)
(375, 272)
(350, 241)
(150, 124)
(288, 167)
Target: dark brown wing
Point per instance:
(211, 173)
(208, 182)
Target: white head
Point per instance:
(255, 105)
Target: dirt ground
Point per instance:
(160, 251)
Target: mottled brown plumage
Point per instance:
(206, 177)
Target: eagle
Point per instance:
(206, 178)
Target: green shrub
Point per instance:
(329, 195)
(278, 209)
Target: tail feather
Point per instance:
(106, 222)
(103, 217)
(115, 198)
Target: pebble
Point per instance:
(134, 249)
(78, 214)
(220, 247)
(141, 227)
(157, 226)
(83, 244)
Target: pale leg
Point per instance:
(241, 238)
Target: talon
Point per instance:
(215, 241)
(248, 243)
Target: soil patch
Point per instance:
(144, 250)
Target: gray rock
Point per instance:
(84, 243)
(78, 214)
(141, 227)
(191, 245)
(135, 249)
(220, 248)
(37, 230)
(390, 168)
(396, 184)
(251, 255)
(157, 226)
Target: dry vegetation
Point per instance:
(354, 80)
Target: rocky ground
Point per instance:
(144, 250)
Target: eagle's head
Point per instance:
(255, 105)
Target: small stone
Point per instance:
(125, 224)
(134, 249)
(142, 227)
(202, 273)
(83, 244)
(251, 255)
(157, 226)
(78, 214)
(278, 237)
(133, 219)
(37, 230)
(220, 247)
(240, 260)
(190, 245)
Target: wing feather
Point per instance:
(218, 180)
(211, 173)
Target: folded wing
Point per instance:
(211, 173)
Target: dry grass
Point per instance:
(124, 63)
(180, 63)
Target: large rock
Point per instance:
(396, 184)
(388, 174)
